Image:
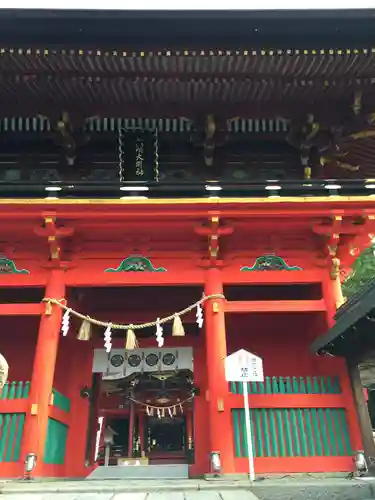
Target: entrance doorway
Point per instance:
(166, 434)
(166, 439)
(120, 447)
(120, 426)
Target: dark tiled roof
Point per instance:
(355, 299)
(351, 334)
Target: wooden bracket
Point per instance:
(213, 231)
(54, 235)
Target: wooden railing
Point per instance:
(298, 424)
(15, 390)
(290, 385)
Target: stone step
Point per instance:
(160, 472)
(188, 495)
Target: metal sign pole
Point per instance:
(248, 432)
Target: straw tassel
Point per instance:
(178, 327)
(84, 331)
(48, 309)
(131, 340)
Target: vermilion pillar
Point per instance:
(219, 423)
(36, 422)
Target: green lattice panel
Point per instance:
(11, 424)
(61, 401)
(55, 447)
(11, 429)
(293, 432)
(15, 390)
(290, 385)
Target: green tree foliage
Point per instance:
(363, 271)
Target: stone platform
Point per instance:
(140, 472)
(285, 488)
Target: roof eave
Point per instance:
(345, 323)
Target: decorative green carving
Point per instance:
(136, 263)
(8, 266)
(270, 263)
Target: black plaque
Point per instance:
(137, 155)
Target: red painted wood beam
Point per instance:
(23, 280)
(290, 465)
(12, 469)
(77, 277)
(242, 208)
(288, 401)
(346, 229)
(14, 405)
(21, 309)
(272, 277)
(123, 412)
(274, 306)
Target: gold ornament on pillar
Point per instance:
(335, 269)
(335, 276)
(84, 332)
(178, 327)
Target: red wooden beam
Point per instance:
(290, 465)
(23, 280)
(274, 306)
(177, 208)
(288, 401)
(88, 277)
(272, 277)
(12, 469)
(14, 405)
(21, 309)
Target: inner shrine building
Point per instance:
(164, 203)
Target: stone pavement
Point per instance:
(173, 495)
(283, 488)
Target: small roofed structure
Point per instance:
(352, 337)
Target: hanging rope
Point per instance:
(177, 405)
(62, 304)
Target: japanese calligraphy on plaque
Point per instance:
(137, 155)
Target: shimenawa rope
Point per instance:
(62, 304)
